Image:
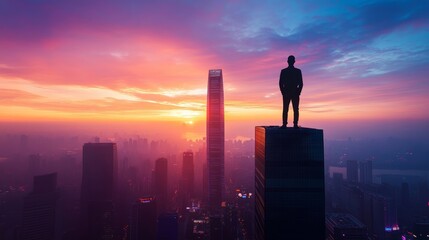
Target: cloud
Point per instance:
(151, 58)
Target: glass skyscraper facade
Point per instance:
(289, 184)
(99, 179)
(215, 140)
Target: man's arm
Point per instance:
(281, 83)
(301, 84)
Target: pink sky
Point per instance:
(148, 62)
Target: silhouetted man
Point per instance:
(291, 86)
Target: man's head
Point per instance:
(291, 60)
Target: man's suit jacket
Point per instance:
(290, 82)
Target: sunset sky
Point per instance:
(147, 62)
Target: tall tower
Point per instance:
(365, 172)
(99, 174)
(39, 209)
(161, 184)
(187, 177)
(352, 171)
(215, 140)
(289, 183)
(143, 219)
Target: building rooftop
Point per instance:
(343, 220)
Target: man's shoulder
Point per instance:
(291, 69)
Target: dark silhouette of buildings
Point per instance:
(161, 184)
(352, 171)
(188, 172)
(374, 205)
(342, 226)
(143, 219)
(39, 209)
(188, 176)
(289, 183)
(215, 140)
(168, 226)
(365, 172)
(99, 176)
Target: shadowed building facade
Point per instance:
(143, 219)
(187, 187)
(160, 185)
(215, 140)
(39, 209)
(99, 176)
(289, 184)
(215, 151)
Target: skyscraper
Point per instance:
(342, 226)
(215, 140)
(39, 209)
(289, 183)
(143, 219)
(188, 174)
(99, 176)
(352, 171)
(161, 184)
(168, 226)
(365, 172)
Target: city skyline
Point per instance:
(94, 64)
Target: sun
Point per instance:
(189, 122)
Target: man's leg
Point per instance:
(286, 101)
(295, 105)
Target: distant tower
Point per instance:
(39, 209)
(365, 172)
(289, 184)
(143, 219)
(352, 171)
(99, 176)
(215, 141)
(188, 174)
(161, 184)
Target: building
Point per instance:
(215, 141)
(289, 183)
(343, 226)
(161, 184)
(39, 209)
(365, 172)
(143, 219)
(187, 187)
(188, 173)
(352, 171)
(99, 176)
(168, 226)
(375, 206)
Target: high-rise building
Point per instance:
(215, 141)
(161, 184)
(168, 226)
(39, 209)
(342, 226)
(365, 172)
(99, 176)
(188, 174)
(143, 219)
(352, 171)
(289, 183)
